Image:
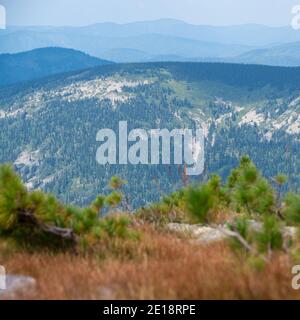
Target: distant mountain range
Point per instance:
(163, 40)
(282, 55)
(44, 62)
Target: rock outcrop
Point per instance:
(17, 285)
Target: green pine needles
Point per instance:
(37, 218)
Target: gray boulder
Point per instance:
(208, 234)
(200, 233)
(17, 285)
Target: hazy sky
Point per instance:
(84, 12)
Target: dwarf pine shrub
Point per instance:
(37, 218)
(248, 191)
(270, 238)
(171, 208)
(292, 208)
(202, 200)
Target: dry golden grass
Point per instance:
(159, 266)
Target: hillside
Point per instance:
(49, 126)
(43, 62)
(283, 55)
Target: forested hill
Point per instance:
(49, 125)
(43, 62)
(252, 76)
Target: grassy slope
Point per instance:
(160, 266)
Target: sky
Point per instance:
(207, 12)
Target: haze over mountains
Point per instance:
(163, 40)
(281, 55)
(43, 62)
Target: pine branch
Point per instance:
(26, 218)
